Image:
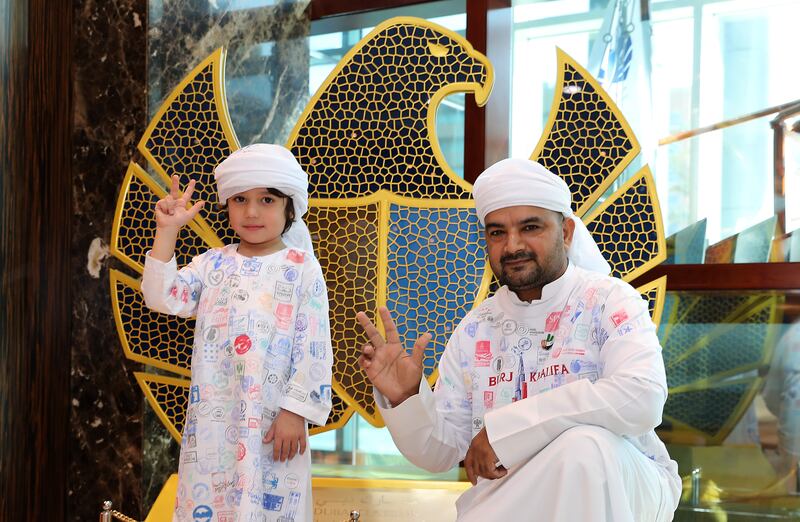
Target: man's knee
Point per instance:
(588, 448)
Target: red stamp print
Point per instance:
(619, 317)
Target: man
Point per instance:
(585, 449)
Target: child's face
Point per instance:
(258, 218)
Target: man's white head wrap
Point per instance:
(515, 182)
(268, 166)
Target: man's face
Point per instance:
(527, 247)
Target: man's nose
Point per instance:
(514, 242)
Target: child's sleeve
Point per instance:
(169, 290)
(308, 392)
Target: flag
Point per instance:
(620, 59)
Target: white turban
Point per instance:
(268, 166)
(515, 182)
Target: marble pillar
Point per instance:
(109, 115)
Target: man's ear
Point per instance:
(568, 229)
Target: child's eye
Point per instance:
(238, 199)
(267, 200)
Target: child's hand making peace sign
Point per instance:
(172, 212)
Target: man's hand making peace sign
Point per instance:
(394, 372)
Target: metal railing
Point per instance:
(109, 515)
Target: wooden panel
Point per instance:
(36, 194)
(486, 129)
(326, 8)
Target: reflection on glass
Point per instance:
(733, 411)
(712, 60)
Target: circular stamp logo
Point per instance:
(215, 277)
(316, 371)
(290, 274)
(202, 513)
(272, 378)
(522, 330)
(234, 280)
(232, 434)
(200, 491)
(241, 295)
(525, 344)
(508, 327)
(291, 481)
(218, 413)
(242, 344)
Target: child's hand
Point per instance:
(289, 433)
(171, 212)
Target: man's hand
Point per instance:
(289, 433)
(172, 212)
(481, 460)
(394, 372)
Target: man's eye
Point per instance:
(530, 228)
(496, 233)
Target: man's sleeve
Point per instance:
(171, 291)
(433, 429)
(628, 398)
(308, 392)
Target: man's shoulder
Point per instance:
(602, 284)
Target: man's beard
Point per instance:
(537, 276)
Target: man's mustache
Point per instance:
(517, 256)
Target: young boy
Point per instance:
(262, 358)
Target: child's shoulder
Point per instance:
(300, 256)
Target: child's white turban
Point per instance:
(268, 166)
(515, 182)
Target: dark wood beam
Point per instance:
(721, 277)
(489, 28)
(325, 8)
(35, 219)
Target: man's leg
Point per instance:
(587, 473)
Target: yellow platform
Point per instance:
(375, 500)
